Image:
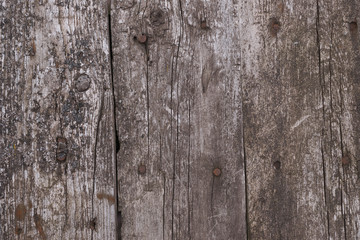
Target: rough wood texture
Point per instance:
(340, 76)
(179, 119)
(178, 102)
(283, 109)
(56, 121)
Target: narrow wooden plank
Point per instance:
(57, 163)
(211, 53)
(140, 182)
(339, 41)
(283, 119)
(178, 111)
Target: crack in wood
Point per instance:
(317, 25)
(173, 76)
(163, 207)
(188, 171)
(245, 173)
(331, 129)
(118, 221)
(177, 119)
(100, 112)
(147, 101)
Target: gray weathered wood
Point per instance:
(178, 102)
(283, 119)
(55, 82)
(179, 119)
(339, 41)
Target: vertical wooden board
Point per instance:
(57, 168)
(212, 67)
(146, 120)
(283, 120)
(140, 179)
(166, 97)
(339, 40)
(179, 114)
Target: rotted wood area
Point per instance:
(179, 119)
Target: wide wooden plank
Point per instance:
(140, 181)
(283, 120)
(339, 41)
(56, 121)
(178, 112)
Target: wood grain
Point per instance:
(179, 119)
(178, 113)
(283, 120)
(339, 41)
(56, 121)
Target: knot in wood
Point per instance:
(82, 83)
(157, 17)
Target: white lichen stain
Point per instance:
(298, 122)
(290, 6)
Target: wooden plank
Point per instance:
(339, 41)
(283, 119)
(178, 108)
(56, 121)
(211, 38)
(140, 182)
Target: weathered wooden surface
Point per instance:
(300, 85)
(51, 52)
(178, 111)
(340, 76)
(179, 119)
(283, 119)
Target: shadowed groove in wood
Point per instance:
(174, 148)
(116, 141)
(323, 115)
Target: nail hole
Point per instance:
(274, 26)
(142, 169)
(92, 224)
(353, 26)
(141, 38)
(61, 151)
(217, 172)
(345, 160)
(277, 165)
(18, 230)
(203, 24)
